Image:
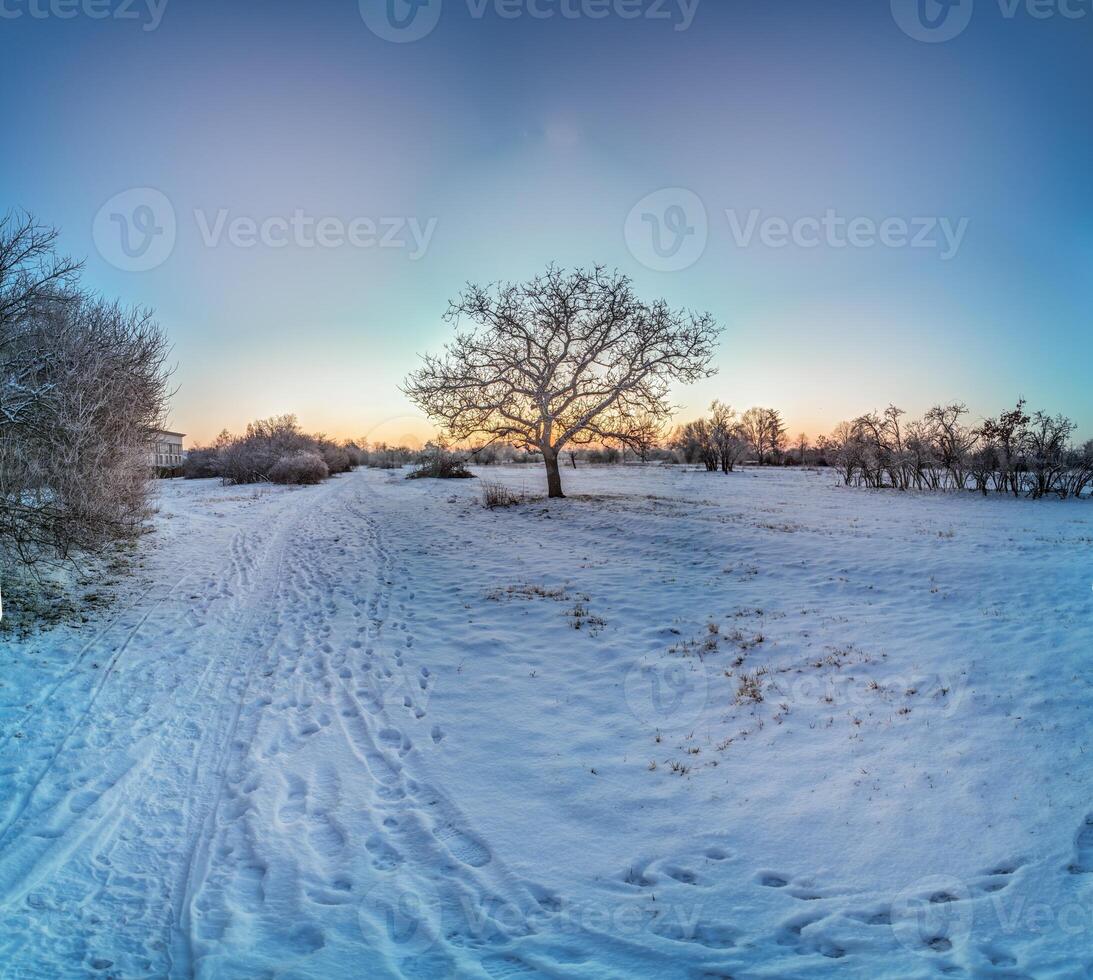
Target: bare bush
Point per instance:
(437, 463)
(201, 463)
(495, 495)
(304, 468)
(250, 457)
(269, 443)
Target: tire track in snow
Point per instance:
(120, 825)
(27, 794)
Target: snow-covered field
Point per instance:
(678, 725)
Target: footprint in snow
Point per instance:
(768, 879)
(384, 856)
(464, 847)
(1083, 848)
(710, 935)
(505, 967)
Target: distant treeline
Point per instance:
(1020, 452)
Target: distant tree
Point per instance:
(695, 443)
(776, 431)
(730, 445)
(566, 358)
(1048, 442)
(764, 430)
(802, 448)
(1007, 435)
(954, 440)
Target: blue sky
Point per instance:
(511, 141)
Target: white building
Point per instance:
(167, 450)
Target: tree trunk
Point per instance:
(554, 476)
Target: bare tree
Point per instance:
(32, 278)
(82, 381)
(31, 272)
(802, 447)
(74, 465)
(564, 358)
(694, 441)
(764, 429)
(725, 433)
(776, 430)
(753, 426)
(954, 440)
(1048, 443)
(1007, 437)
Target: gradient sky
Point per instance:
(530, 140)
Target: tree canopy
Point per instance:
(568, 357)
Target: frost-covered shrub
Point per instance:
(301, 469)
(437, 463)
(336, 457)
(82, 382)
(201, 463)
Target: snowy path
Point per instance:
(351, 731)
(235, 788)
